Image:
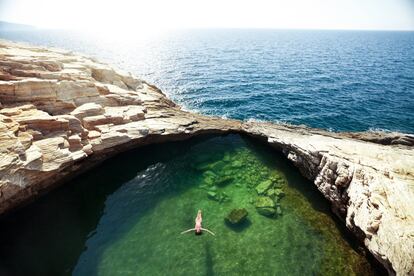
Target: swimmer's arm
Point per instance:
(204, 229)
(189, 230)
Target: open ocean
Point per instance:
(336, 80)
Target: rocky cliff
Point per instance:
(61, 113)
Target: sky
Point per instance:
(124, 16)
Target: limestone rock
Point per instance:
(87, 110)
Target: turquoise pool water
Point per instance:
(125, 218)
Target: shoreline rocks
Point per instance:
(62, 113)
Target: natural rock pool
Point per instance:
(125, 218)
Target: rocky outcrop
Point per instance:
(58, 109)
(61, 113)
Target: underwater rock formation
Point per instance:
(265, 206)
(268, 202)
(263, 187)
(62, 113)
(237, 216)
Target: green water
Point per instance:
(125, 218)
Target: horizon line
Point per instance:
(224, 28)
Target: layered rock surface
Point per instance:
(61, 113)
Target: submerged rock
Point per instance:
(237, 216)
(268, 212)
(223, 197)
(218, 166)
(212, 188)
(209, 178)
(265, 206)
(279, 193)
(263, 187)
(272, 194)
(237, 164)
(212, 195)
(278, 181)
(224, 181)
(279, 210)
(218, 196)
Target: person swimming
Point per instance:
(197, 228)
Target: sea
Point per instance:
(334, 80)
